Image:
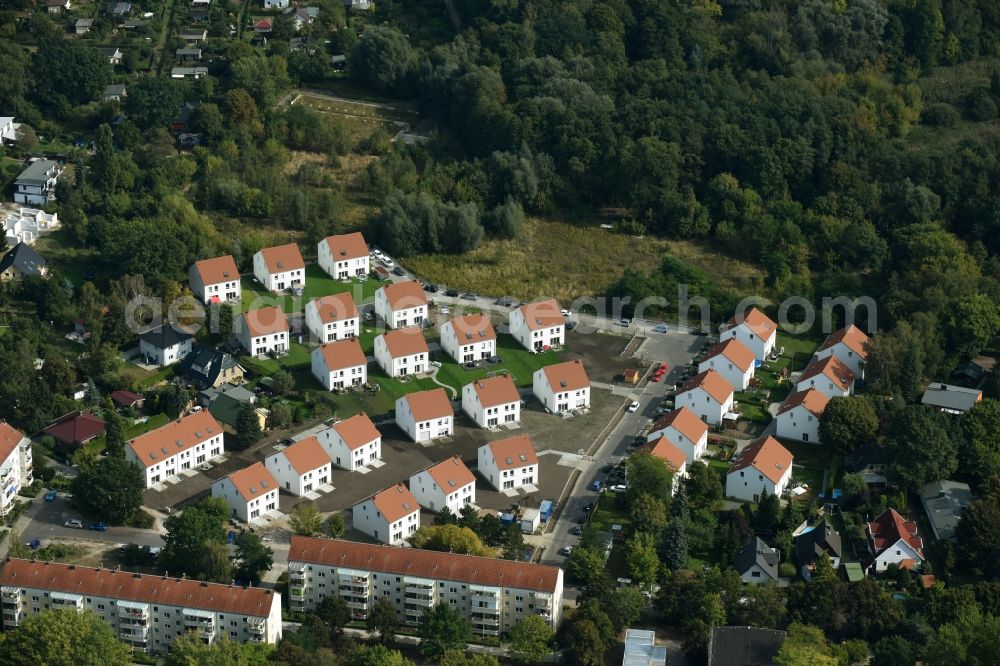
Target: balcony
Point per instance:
(133, 633)
(131, 611)
(10, 595)
(11, 616)
(297, 578)
(257, 638)
(423, 601)
(65, 600)
(257, 625)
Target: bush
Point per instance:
(980, 107)
(786, 570)
(32, 490)
(141, 519)
(940, 115)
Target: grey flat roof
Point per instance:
(641, 650)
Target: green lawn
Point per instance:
(296, 359)
(96, 445)
(815, 458)
(518, 361)
(318, 283)
(798, 351)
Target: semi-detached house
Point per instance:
(425, 415)
(343, 256)
(469, 338)
(538, 326)
(492, 401)
(402, 352)
(186, 443)
(562, 387)
(683, 429)
(390, 515)
(339, 365)
(263, 331)
(828, 376)
(708, 395)
(215, 280)
(401, 304)
(798, 417)
(448, 483)
(850, 346)
(353, 443)
(333, 317)
(300, 468)
(509, 464)
(754, 329)
(764, 467)
(733, 360)
(280, 267)
(250, 492)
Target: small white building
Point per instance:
(538, 326)
(733, 361)
(893, 540)
(683, 429)
(764, 467)
(402, 352)
(425, 415)
(391, 516)
(27, 225)
(509, 464)
(562, 387)
(215, 280)
(165, 345)
(280, 267)
(353, 443)
(469, 338)
(180, 445)
(344, 256)
(250, 492)
(275, 4)
(492, 401)
(755, 330)
(340, 365)
(448, 483)
(301, 468)
(333, 317)
(828, 376)
(798, 416)
(263, 331)
(850, 346)
(708, 395)
(676, 460)
(401, 304)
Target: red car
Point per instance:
(657, 376)
(664, 367)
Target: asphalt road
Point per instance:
(47, 520)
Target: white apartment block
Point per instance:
(186, 443)
(402, 352)
(391, 515)
(263, 331)
(16, 465)
(492, 595)
(401, 304)
(339, 365)
(425, 415)
(279, 268)
(215, 280)
(538, 326)
(332, 318)
(353, 443)
(563, 387)
(448, 483)
(250, 492)
(469, 338)
(344, 256)
(145, 611)
(300, 468)
(509, 464)
(492, 402)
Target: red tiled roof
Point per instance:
(219, 269)
(852, 336)
(157, 445)
(735, 351)
(685, 422)
(265, 321)
(756, 321)
(543, 314)
(343, 354)
(662, 448)
(767, 456)
(347, 246)
(10, 437)
(568, 376)
(253, 481)
(451, 474)
(712, 383)
(75, 428)
(889, 528)
(306, 455)
(126, 398)
(405, 342)
(814, 401)
(281, 258)
(357, 430)
(832, 368)
(425, 564)
(394, 502)
(472, 328)
(513, 452)
(493, 391)
(108, 583)
(335, 307)
(403, 295)
(429, 404)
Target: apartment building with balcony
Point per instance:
(15, 465)
(492, 595)
(145, 611)
(182, 444)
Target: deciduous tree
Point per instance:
(383, 620)
(530, 640)
(253, 558)
(847, 422)
(305, 519)
(63, 638)
(110, 490)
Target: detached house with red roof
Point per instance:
(562, 387)
(280, 267)
(492, 401)
(448, 483)
(300, 468)
(683, 429)
(469, 338)
(893, 540)
(402, 352)
(509, 464)
(339, 365)
(353, 443)
(828, 376)
(733, 360)
(15, 466)
(333, 317)
(425, 415)
(344, 256)
(250, 492)
(182, 444)
(401, 304)
(764, 467)
(708, 395)
(754, 329)
(850, 346)
(263, 331)
(538, 326)
(391, 515)
(798, 416)
(75, 429)
(215, 280)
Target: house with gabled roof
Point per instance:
(943, 502)
(675, 459)
(401, 304)
(683, 429)
(75, 429)
(215, 280)
(951, 399)
(300, 468)
(165, 345)
(183, 444)
(828, 375)
(764, 468)
(562, 387)
(344, 256)
(280, 267)
(425, 415)
(893, 540)
(538, 326)
(492, 401)
(814, 542)
(36, 185)
(469, 338)
(250, 492)
(708, 395)
(402, 352)
(798, 416)
(339, 365)
(448, 483)
(733, 360)
(391, 515)
(850, 346)
(263, 331)
(210, 368)
(509, 464)
(22, 261)
(757, 563)
(333, 317)
(754, 329)
(353, 443)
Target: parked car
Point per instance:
(634, 407)
(399, 271)
(33, 544)
(660, 328)
(78, 524)
(577, 530)
(597, 485)
(99, 527)
(50, 496)
(432, 288)
(566, 550)
(620, 488)
(624, 322)
(443, 309)
(377, 252)
(566, 312)
(469, 296)
(453, 293)
(582, 519)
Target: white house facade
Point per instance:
(280, 267)
(425, 415)
(798, 417)
(764, 467)
(733, 360)
(683, 429)
(340, 365)
(850, 346)
(562, 387)
(469, 338)
(333, 318)
(708, 395)
(401, 304)
(893, 540)
(250, 492)
(263, 331)
(402, 352)
(15, 465)
(300, 468)
(538, 326)
(215, 280)
(165, 345)
(492, 401)
(184, 444)
(391, 516)
(353, 443)
(509, 464)
(828, 376)
(448, 483)
(755, 330)
(344, 256)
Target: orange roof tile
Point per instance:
(429, 404)
(451, 474)
(568, 376)
(343, 354)
(833, 369)
(394, 502)
(357, 430)
(814, 401)
(735, 351)
(403, 295)
(253, 481)
(425, 564)
(889, 528)
(684, 421)
(347, 246)
(852, 336)
(157, 445)
(712, 383)
(143, 588)
(405, 342)
(472, 328)
(767, 456)
(513, 452)
(306, 455)
(335, 307)
(543, 314)
(10, 437)
(493, 391)
(281, 258)
(219, 269)
(662, 448)
(265, 321)
(756, 321)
